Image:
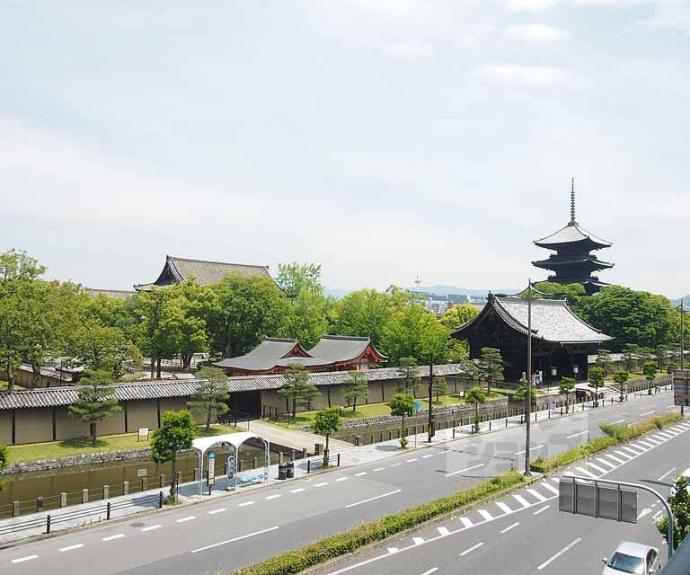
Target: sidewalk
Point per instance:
(124, 506)
(292, 438)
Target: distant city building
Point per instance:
(573, 262)
(437, 303)
(178, 270)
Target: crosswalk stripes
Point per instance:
(645, 444)
(606, 462)
(634, 452)
(596, 467)
(622, 454)
(485, 514)
(583, 471)
(549, 487)
(466, 522)
(521, 500)
(618, 460)
(536, 494)
(503, 507)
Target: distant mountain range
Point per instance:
(440, 290)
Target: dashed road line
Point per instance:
(513, 526)
(298, 490)
(246, 503)
(465, 469)
(430, 571)
(214, 511)
(341, 479)
(71, 547)
(665, 475)
(538, 511)
(183, 519)
(576, 434)
(379, 469)
(240, 538)
(113, 537)
(411, 460)
(557, 555)
(647, 412)
(473, 548)
(23, 559)
(272, 497)
(360, 474)
(646, 511)
(372, 499)
(151, 528)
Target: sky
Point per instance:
(383, 139)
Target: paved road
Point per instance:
(525, 533)
(223, 534)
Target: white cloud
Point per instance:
(536, 32)
(529, 5)
(531, 76)
(409, 50)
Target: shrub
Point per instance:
(336, 545)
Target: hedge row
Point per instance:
(343, 543)
(615, 435)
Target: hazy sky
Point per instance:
(381, 139)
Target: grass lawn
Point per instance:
(306, 418)
(3, 386)
(82, 445)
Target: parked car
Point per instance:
(685, 474)
(634, 558)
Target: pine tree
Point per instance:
(210, 399)
(356, 387)
(96, 400)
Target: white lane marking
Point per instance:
(653, 441)
(372, 499)
(430, 571)
(561, 552)
(26, 558)
(504, 507)
(298, 490)
(513, 526)
(466, 522)
(485, 514)
(464, 470)
(71, 547)
(418, 540)
(626, 456)
(392, 550)
(647, 412)
(619, 421)
(536, 494)
(240, 538)
(631, 450)
(671, 431)
(113, 537)
(151, 528)
(379, 469)
(665, 475)
(427, 456)
(360, 474)
(246, 503)
(642, 447)
(608, 463)
(411, 460)
(534, 448)
(183, 520)
(214, 511)
(583, 471)
(396, 464)
(466, 551)
(322, 484)
(341, 479)
(538, 511)
(548, 486)
(521, 500)
(576, 434)
(646, 511)
(443, 531)
(272, 497)
(665, 435)
(596, 467)
(657, 515)
(618, 460)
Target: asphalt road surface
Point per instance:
(227, 533)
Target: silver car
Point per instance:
(634, 558)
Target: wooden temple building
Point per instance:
(573, 261)
(561, 341)
(331, 353)
(178, 270)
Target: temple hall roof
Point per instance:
(572, 233)
(267, 355)
(342, 348)
(552, 320)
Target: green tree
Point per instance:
(356, 388)
(596, 380)
(4, 456)
(470, 371)
(566, 387)
(458, 315)
(629, 316)
(663, 355)
(408, 374)
(295, 279)
(297, 389)
(414, 332)
(242, 311)
(631, 353)
(99, 347)
(402, 405)
(176, 433)
(680, 505)
(521, 393)
(365, 312)
(211, 397)
(326, 421)
(621, 378)
(183, 322)
(491, 366)
(649, 371)
(439, 387)
(96, 401)
(476, 395)
(573, 293)
(152, 338)
(604, 360)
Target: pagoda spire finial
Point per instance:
(572, 200)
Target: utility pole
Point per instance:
(682, 346)
(528, 397)
(430, 434)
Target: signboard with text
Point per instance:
(681, 387)
(211, 467)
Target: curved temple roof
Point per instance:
(552, 320)
(571, 234)
(342, 348)
(267, 355)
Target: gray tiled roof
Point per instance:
(552, 320)
(266, 355)
(207, 272)
(112, 293)
(340, 348)
(62, 396)
(569, 234)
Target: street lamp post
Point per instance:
(682, 345)
(430, 433)
(528, 397)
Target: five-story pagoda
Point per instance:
(573, 262)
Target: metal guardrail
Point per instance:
(48, 521)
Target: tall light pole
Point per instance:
(431, 391)
(682, 345)
(528, 397)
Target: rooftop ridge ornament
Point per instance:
(572, 200)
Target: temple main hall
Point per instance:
(573, 261)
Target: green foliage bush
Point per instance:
(614, 435)
(336, 545)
